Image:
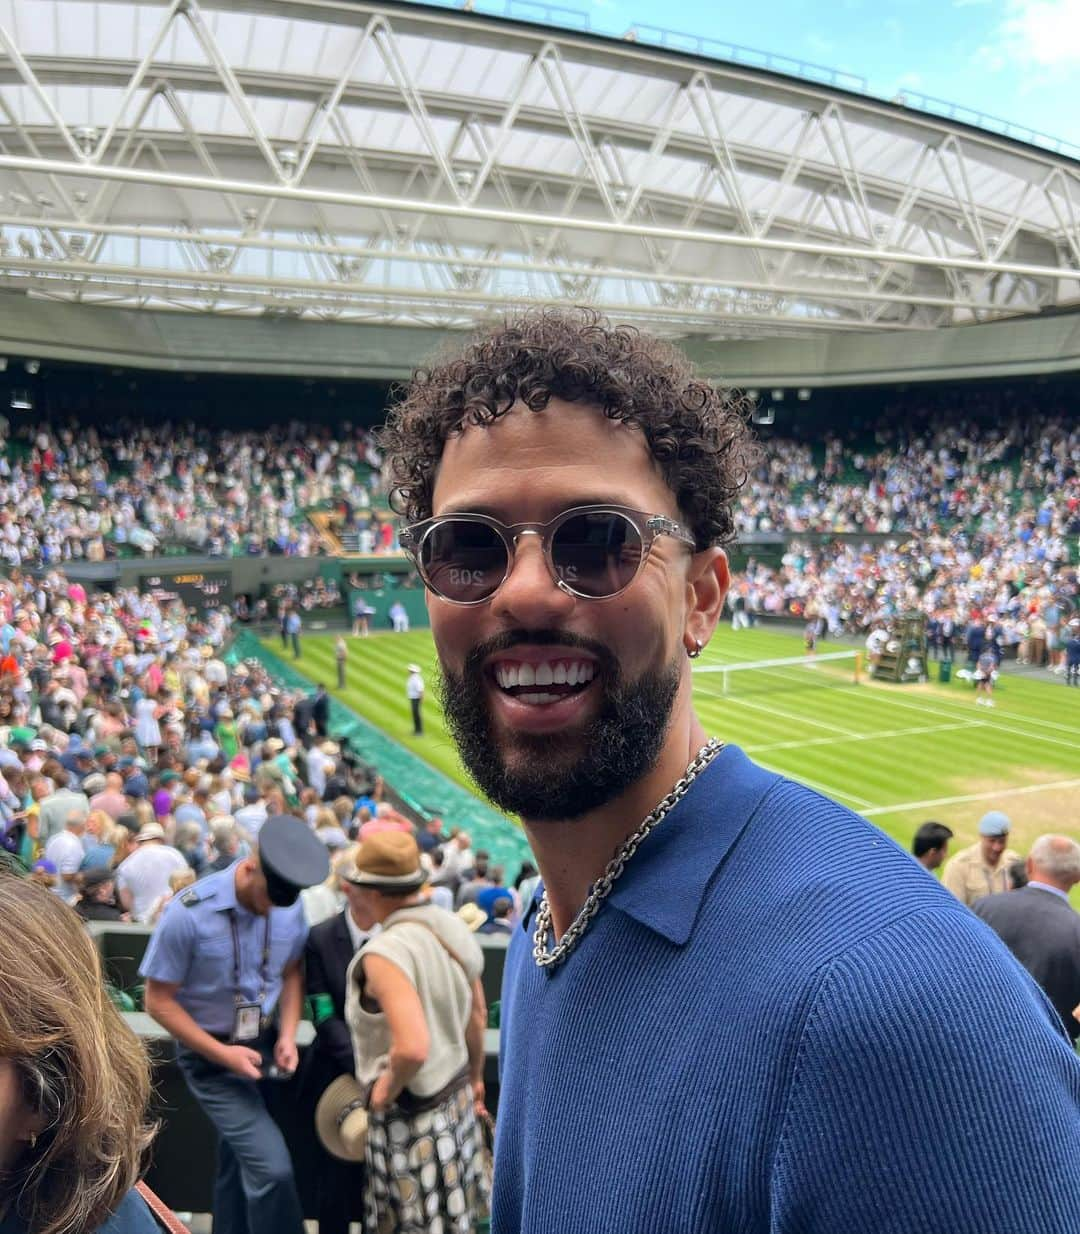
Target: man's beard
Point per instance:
(619, 745)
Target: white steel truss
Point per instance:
(400, 165)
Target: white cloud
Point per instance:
(1040, 32)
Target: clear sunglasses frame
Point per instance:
(648, 526)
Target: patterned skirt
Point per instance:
(425, 1170)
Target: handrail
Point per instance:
(753, 57)
(983, 120)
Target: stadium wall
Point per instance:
(210, 343)
(249, 574)
(252, 575)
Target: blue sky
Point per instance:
(1017, 59)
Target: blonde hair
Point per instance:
(144, 812)
(325, 817)
(82, 1070)
(112, 833)
(179, 879)
(104, 823)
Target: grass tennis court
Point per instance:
(897, 754)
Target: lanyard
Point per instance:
(264, 968)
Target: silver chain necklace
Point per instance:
(601, 889)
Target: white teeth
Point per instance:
(560, 672)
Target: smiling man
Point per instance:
(702, 1029)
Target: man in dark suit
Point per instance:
(303, 717)
(330, 949)
(1041, 928)
(320, 710)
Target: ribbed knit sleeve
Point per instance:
(911, 1111)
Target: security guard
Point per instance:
(225, 954)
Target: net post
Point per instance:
(858, 666)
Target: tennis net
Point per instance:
(835, 668)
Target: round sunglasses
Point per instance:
(593, 552)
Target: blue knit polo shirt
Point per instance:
(779, 1022)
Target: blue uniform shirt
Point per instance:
(193, 946)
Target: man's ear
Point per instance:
(706, 589)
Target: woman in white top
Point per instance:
(147, 730)
(416, 1011)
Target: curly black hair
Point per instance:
(697, 434)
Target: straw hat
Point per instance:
(341, 1119)
(388, 861)
(472, 915)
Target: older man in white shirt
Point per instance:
(66, 851)
(143, 878)
(321, 761)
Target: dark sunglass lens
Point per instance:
(596, 554)
(463, 561)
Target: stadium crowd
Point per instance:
(971, 521)
(969, 512)
(70, 492)
(969, 502)
(134, 759)
(137, 766)
(921, 467)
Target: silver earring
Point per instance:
(33, 1139)
(693, 655)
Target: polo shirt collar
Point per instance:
(665, 882)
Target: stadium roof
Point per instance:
(402, 165)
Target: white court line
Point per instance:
(959, 710)
(742, 658)
(829, 790)
(988, 721)
(896, 732)
(770, 710)
(1012, 716)
(949, 801)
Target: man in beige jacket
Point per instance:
(983, 868)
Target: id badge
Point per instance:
(248, 1021)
